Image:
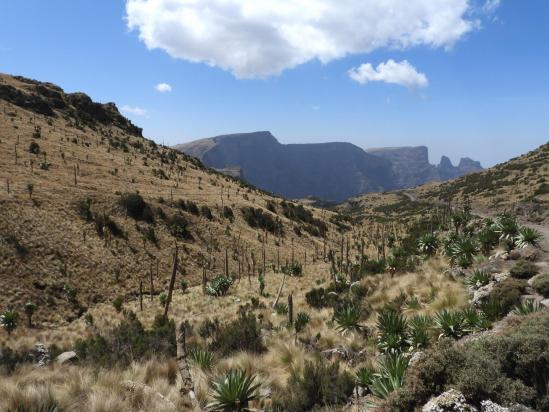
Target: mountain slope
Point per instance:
(68, 240)
(520, 185)
(331, 171)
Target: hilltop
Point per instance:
(90, 208)
(329, 171)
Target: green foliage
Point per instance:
(365, 376)
(301, 320)
(392, 329)
(219, 286)
(474, 320)
(298, 213)
(320, 383)
(390, 375)
(510, 367)
(228, 213)
(506, 227)
(450, 324)
(178, 227)
(507, 294)
(233, 391)
(206, 212)
(418, 331)
(117, 303)
(281, 308)
(242, 334)
(184, 285)
(30, 308)
(9, 320)
(428, 244)
(478, 278)
(128, 342)
(541, 285)
(34, 148)
(348, 319)
(204, 359)
(104, 222)
(162, 298)
(523, 269)
(488, 239)
(136, 207)
(526, 308)
(257, 218)
(462, 250)
(292, 269)
(318, 298)
(83, 208)
(528, 237)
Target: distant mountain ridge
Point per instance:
(329, 171)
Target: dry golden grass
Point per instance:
(57, 247)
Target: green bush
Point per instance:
(117, 303)
(136, 207)
(129, 342)
(523, 269)
(34, 148)
(512, 367)
(507, 293)
(320, 383)
(541, 284)
(178, 227)
(206, 212)
(219, 286)
(242, 334)
(257, 218)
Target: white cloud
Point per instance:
(490, 6)
(264, 37)
(402, 73)
(134, 110)
(163, 87)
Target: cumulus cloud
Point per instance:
(402, 73)
(134, 110)
(265, 37)
(163, 87)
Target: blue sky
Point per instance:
(484, 93)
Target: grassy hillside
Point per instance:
(67, 239)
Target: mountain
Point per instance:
(329, 171)
(520, 186)
(89, 208)
(332, 171)
(412, 168)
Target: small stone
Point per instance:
(450, 401)
(489, 406)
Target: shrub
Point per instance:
(541, 284)
(117, 303)
(233, 391)
(507, 293)
(302, 319)
(183, 285)
(523, 269)
(293, 269)
(318, 298)
(478, 278)
(392, 331)
(204, 359)
(512, 367)
(450, 324)
(320, 383)
(390, 375)
(178, 227)
(242, 334)
(128, 342)
(219, 286)
(34, 148)
(257, 218)
(83, 208)
(206, 212)
(104, 222)
(427, 244)
(528, 237)
(526, 308)
(281, 309)
(9, 320)
(348, 319)
(228, 213)
(136, 207)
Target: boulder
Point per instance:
(482, 293)
(67, 357)
(489, 406)
(450, 401)
(40, 355)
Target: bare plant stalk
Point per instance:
(172, 283)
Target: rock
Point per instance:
(450, 401)
(416, 357)
(360, 391)
(500, 277)
(67, 357)
(482, 293)
(529, 253)
(489, 406)
(40, 354)
(545, 302)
